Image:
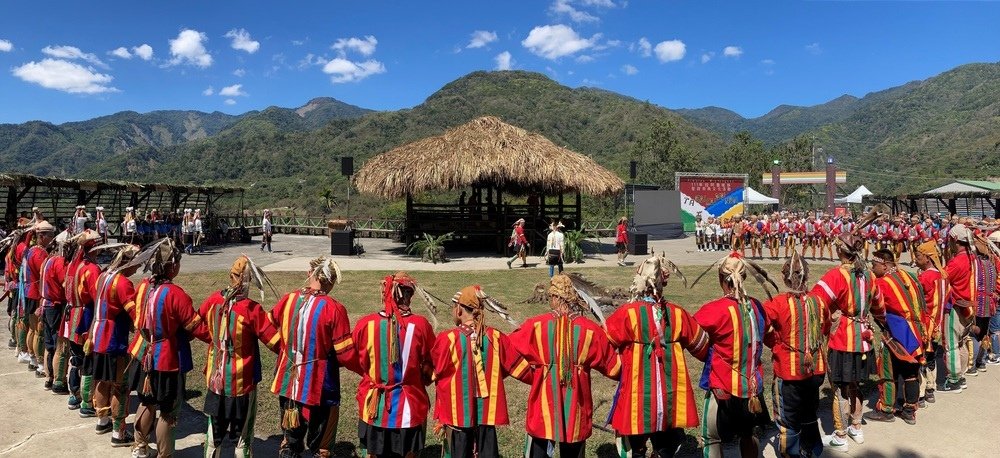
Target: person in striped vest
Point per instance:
(898, 306)
(394, 351)
(53, 304)
(30, 296)
(81, 292)
(114, 315)
(564, 347)
(655, 398)
(315, 343)
(165, 321)
(848, 291)
(470, 363)
(232, 362)
(799, 324)
(936, 289)
(733, 374)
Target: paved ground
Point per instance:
(34, 422)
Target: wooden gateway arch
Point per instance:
(494, 160)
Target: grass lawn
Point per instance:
(359, 292)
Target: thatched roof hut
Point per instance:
(485, 152)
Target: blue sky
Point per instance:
(64, 61)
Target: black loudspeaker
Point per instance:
(637, 243)
(347, 166)
(341, 243)
(632, 169)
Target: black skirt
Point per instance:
(107, 367)
(166, 386)
(233, 408)
(848, 367)
(382, 441)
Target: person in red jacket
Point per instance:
(799, 324)
(165, 315)
(109, 337)
(81, 292)
(20, 241)
(470, 363)
(394, 350)
(564, 347)
(621, 240)
(30, 295)
(232, 362)
(311, 322)
(53, 304)
(655, 399)
(733, 376)
(519, 244)
(936, 289)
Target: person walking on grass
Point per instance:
(518, 244)
(554, 246)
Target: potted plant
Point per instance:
(430, 248)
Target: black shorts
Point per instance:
(735, 419)
(848, 367)
(166, 386)
(481, 439)
(554, 258)
(620, 246)
(381, 441)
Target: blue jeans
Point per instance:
(995, 333)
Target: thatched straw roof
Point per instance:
(484, 152)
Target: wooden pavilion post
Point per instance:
(579, 212)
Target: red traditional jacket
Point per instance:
(111, 325)
(162, 311)
(31, 270)
(900, 294)
(936, 291)
(81, 290)
(737, 336)
(392, 394)
(563, 349)
(232, 362)
(53, 277)
(965, 279)
(316, 342)
(799, 324)
(654, 391)
(852, 293)
(470, 389)
(14, 257)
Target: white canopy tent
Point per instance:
(752, 197)
(854, 197)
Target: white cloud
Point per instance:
(600, 3)
(121, 53)
(629, 70)
(365, 46)
(481, 38)
(732, 51)
(189, 48)
(299, 42)
(6, 45)
(560, 7)
(504, 61)
(590, 82)
(235, 90)
(585, 59)
(208, 91)
(66, 76)
(814, 49)
(645, 47)
(767, 61)
(72, 52)
(669, 51)
(242, 41)
(239, 72)
(311, 60)
(230, 102)
(144, 51)
(555, 41)
(344, 71)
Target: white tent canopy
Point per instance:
(854, 197)
(751, 197)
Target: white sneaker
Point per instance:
(856, 434)
(23, 357)
(835, 442)
(34, 362)
(140, 452)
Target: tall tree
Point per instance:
(746, 154)
(660, 154)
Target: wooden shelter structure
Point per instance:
(57, 198)
(495, 160)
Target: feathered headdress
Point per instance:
(933, 252)
(123, 253)
(653, 274)
(734, 269)
(156, 257)
(245, 273)
(324, 270)
(795, 273)
(391, 285)
(474, 298)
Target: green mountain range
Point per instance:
(902, 139)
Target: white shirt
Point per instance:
(267, 224)
(102, 226)
(555, 241)
(197, 225)
(81, 224)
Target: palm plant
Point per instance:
(430, 248)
